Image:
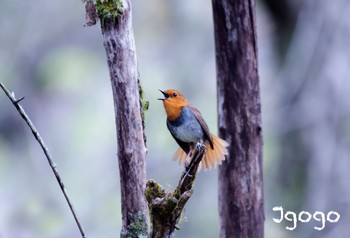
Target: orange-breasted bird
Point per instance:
(188, 128)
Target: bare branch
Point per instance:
(52, 164)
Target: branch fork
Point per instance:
(166, 207)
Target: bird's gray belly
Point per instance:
(188, 132)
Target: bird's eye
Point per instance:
(175, 94)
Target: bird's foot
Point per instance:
(187, 174)
(200, 146)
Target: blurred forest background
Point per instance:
(48, 56)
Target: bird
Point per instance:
(188, 128)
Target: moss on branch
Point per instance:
(144, 105)
(109, 9)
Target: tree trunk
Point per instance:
(240, 176)
(118, 40)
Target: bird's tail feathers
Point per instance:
(211, 158)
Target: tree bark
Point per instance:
(118, 41)
(240, 176)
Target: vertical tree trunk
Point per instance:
(115, 17)
(240, 177)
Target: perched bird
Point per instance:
(188, 128)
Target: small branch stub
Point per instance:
(90, 13)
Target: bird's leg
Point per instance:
(199, 146)
(188, 162)
(188, 157)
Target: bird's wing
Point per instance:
(184, 146)
(203, 124)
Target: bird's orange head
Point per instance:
(173, 101)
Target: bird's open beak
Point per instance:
(165, 95)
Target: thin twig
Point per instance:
(53, 166)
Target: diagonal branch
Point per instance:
(166, 208)
(53, 166)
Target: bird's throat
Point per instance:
(173, 112)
